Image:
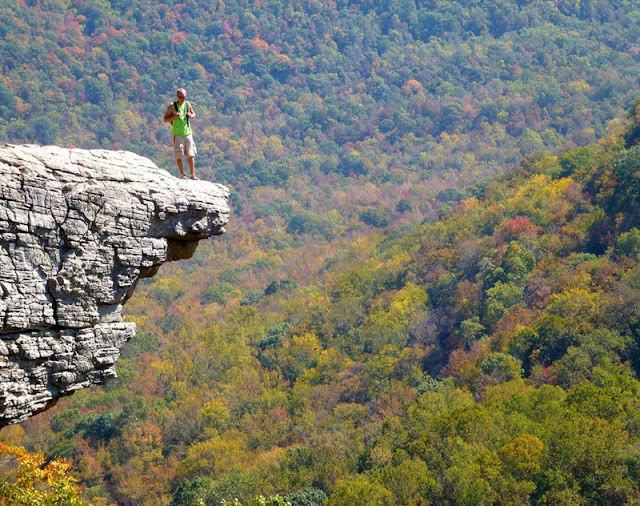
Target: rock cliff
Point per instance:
(78, 228)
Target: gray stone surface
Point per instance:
(78, 228)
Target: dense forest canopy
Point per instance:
(323, 94)
(489, 357)
(393, 318)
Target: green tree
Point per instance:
(306, 497)
(46, 130)
(628, 244)
(502, 366)
(500, 298)
(411, 483)
(360, 491)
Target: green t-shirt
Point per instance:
(181, 126)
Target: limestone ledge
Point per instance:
(78, 228)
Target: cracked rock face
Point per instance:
(78, 228)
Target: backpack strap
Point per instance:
(188, 106)
(175, 108)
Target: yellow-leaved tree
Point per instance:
(34, 483)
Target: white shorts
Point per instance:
(184, 145)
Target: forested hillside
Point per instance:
(489, 357)
(388, 101)
(393, 318)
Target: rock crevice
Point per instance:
(78, 228)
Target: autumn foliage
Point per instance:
(37, 483)
(394, 315)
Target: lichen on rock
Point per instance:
(78, 228)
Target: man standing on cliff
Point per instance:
(178, 114)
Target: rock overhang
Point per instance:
(78, 228)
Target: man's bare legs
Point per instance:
(180, 166)
(192, 167)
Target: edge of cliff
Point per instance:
(78, 228)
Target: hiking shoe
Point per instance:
(184, 176)
(194, 177)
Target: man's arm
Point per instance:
(170, 115)
(191, 113)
